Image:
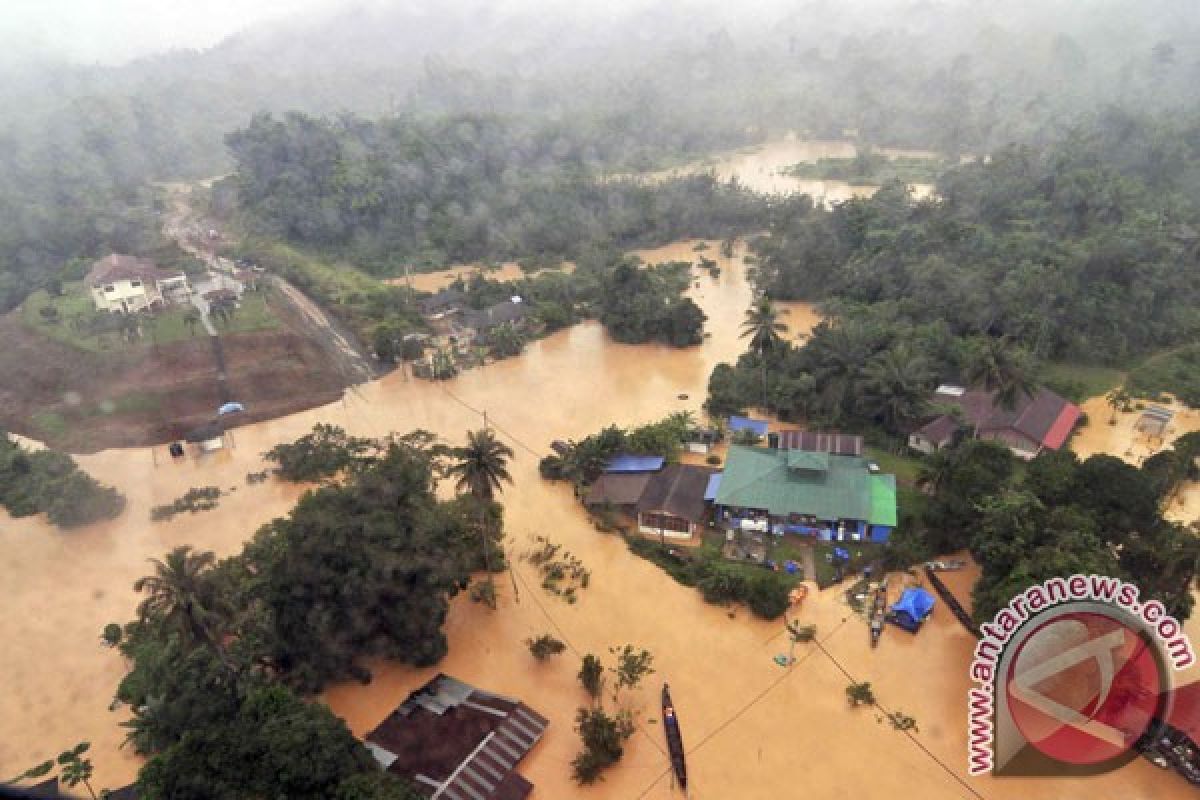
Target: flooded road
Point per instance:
(759, 168)
(752, 729)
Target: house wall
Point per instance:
(919, 442)
(667, 525)
(1022, 446)
(134, 298)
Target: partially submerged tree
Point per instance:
(544, 646)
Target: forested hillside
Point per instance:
(383, 194)
(638, 88)
(1086, 250)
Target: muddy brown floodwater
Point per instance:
(759, 168)
(752, 729)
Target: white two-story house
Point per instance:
(127, 283)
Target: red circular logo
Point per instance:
(1083, 687)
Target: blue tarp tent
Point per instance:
(759, 426)
(230, 408)
(631, 463)
(914, 608)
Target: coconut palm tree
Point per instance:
(482, 465)
(894, 386)
(763, 327)
(481, 468)
(1002, 368)
(176, 595)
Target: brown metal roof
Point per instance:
(940, 430)
(838, 444)
(1033, 416)
(619, 488)
(677, 490)
(456, 742)
(117, 267)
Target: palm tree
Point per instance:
(176, 595)
(894, 385)
(763, 327)
(1118, 400)
(936, 471)
(481, 467)
(1003, 369)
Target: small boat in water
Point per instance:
(674, 739)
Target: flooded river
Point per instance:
(753, 729)
(759, 168)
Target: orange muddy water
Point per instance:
(759, 168)
(752, 729)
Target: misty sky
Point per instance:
(115, 31)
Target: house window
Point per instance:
(110, 288)
(664, 522)
(135, 284)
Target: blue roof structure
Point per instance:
(631, 463)
(914, 606)
(714, 483)
(759, 426)
(231, 408)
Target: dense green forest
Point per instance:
(36, 481)
(362, 567)
(954, 78)
(1084, 251)
(1057, 517)
(460, 189)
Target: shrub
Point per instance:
(544, 646)
(603, 742)
(860, 694)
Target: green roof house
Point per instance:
(790, 491)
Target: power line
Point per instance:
(945, 767)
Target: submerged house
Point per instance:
(673, 504)
(666, 501)
(513, 311)
(797, 491)
(456, 742)
(1038, 421)
(124, 284)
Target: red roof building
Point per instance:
(1037, 421)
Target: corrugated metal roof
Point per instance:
(803, 459)
(626, 462)
(760, 478)
(759, 426)
(842, 444)
(678, 490)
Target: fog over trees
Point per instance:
(654, 84)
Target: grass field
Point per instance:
(76, 322)
(1176, 372)
(1078, 382)
(905, 468)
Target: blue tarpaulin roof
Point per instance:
(230, 408)
(631, 463)
(714, 483)
(916, 603)
(759, 426)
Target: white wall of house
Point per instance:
(918, 442)
(125, 295)
(135, 294)
(652, 530)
